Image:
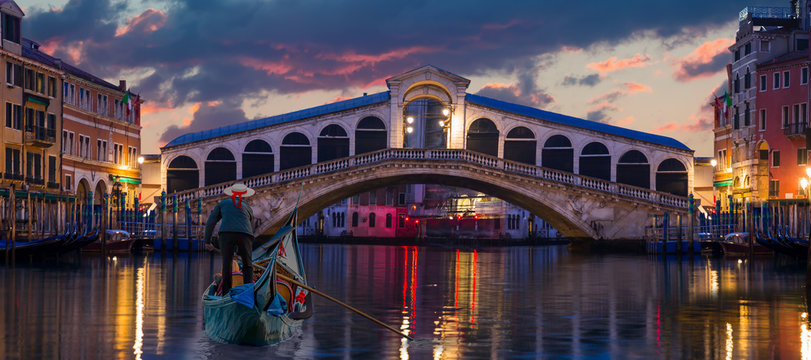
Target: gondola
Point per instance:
(42, 246)
(269, 310)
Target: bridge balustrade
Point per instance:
(444, 155)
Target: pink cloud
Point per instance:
(338, 98)
(698, 123)
(151, 107)
(149, 21)
(627, 121)
(571, 49)
(270, 67)
(626, 89)
(512, 88)
(372, 59)
(614, 64)
(705, 61)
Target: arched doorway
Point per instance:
(558, 154)
(520, 145)
(182, 174)
(221, 166)
(426, 124)
(595, 161)
(295, 151)
(633, 169)
(370, 135)
(333, 143)
(671, 177)
(482, 136)
(257, 159)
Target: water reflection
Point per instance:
(456, 303)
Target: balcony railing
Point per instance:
(12, 176)
(795, 129)
(39, 134)
(53, 185)
(35, 181)
(770, 12)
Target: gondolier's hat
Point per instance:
(238, 190)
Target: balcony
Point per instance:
(795, 130)
(40, 136)
(52, 185)
(34, 181)
(12, 176)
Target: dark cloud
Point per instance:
(691, 70)
(203, 50)
(598, 116)
(525, 92)
(208, 116)
(587, 80)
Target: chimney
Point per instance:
(122, 85)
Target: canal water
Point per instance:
(516, 302)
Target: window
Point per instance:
(785, 116)
(33, 167)
(747, 48)
(9, 113)
(776, 158)
(764, 45)
(402, 198)
(804, 76)
(51, 86)
(776, 80)
(736, 119)
(803, 113)
(737, 84)
(762, 82)
(11, 28)
(67, 142)
(722, 158)
(802, 156)
(373, 198)
(372, 219)
(401, 221)
(762, 119)
(132, 154)
(796, 113)
(9, 74)
(40, 83)
(774, 188)
(746, 116)
(51, 169)
(13, 162)
(747, 80)
(786, 79)
(388, 221)
(737, 54)
(101, 150)
(30, 77)
(355, 219)
(68, 182)
(98, 103)
(84, 146)
(72, 94)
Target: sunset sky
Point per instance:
(646, 65)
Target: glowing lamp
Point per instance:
(713, 162)
(808, 171)
(446, 112)
(416, 221)
(410, 119)
(409, 129)
(441, 123)
(140, 159)
(803, 183)
(406, 218)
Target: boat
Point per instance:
(270, 310)
(738, 244)
(115, 242)
(43, 246)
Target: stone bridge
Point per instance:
(578, 206)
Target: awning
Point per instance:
(722, 183)
(126, 179)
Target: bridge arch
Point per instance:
(182, 174)
(552, 206)
(333, 143)
(558, 153)
(220, 166)
(257, 158)
(370, 135)
(595, 161)
(671, 177)
(520, 145)
(633, 168)
(428, 89)
(295, 150)
(482, 136)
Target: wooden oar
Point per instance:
(330, 298)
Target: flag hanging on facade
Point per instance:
(727, 104)
(127, 103)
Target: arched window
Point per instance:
(482, 136)
(333, 143)
(388, 221)
(558, 154)
(428, 123)
(520, 145)
(182, 174)
(633, 169)
(372, 219)
(370, 135)
(671, 177)
(257, 159)
(295, 151)
(595, 161)
(220, 166)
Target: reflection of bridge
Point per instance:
(585, 178)
(576, 205)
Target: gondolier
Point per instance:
(236, 231)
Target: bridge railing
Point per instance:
(462, 155)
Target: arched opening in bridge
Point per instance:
(428, 120)
(671, 177)
(182, 174)
(257, 159)
(333, 143)
(370, 135)
(220, 166)
(633, 169)
(558, 154)
(295, 151)
(595, 161)
(482, 136)
(520, 145)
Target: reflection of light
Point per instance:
(740, 261)
(438, 352)
(805, 341)
(714, 282)
(729, 345)
(473, 296)
(404, 341)
(139, 314)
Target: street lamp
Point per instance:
(140, 160)
(713, 162)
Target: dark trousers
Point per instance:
(244, 245)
